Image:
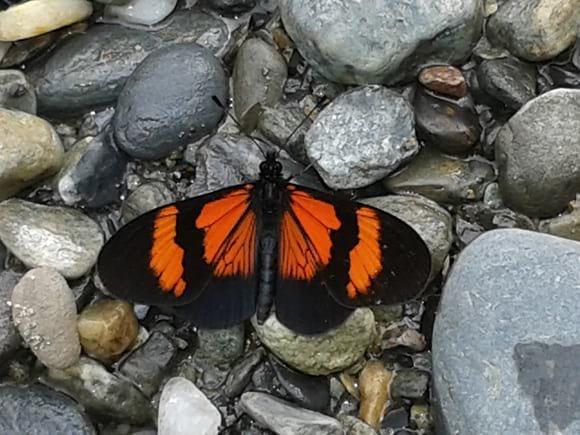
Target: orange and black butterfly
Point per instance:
(222, 257)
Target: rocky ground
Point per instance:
(461, 117)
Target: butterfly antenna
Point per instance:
(233, 118)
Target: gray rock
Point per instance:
(354, 426)
(57, 237)
(442, 178)
(433, 223)
(31, 151)
(40, 411)
(167, 102)
(9, 339)
(410, 383)
(146, 197)
(534, 30)
(538, 154)
(92, 172)
(101, 392)
(361, 137)
(241, 373)
(147, 365)
(324, 353)
(259, 76)
(45, 313)
(219, 346)
(90, 68)
(233, 6)
(140, 12)
(16, 93)
(506, 340)
(398, 36)
(284, 418)
(508, 80)
(567, 225)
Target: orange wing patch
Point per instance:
(230, 234)
(366, 256)
(305, 230)
(166, 256)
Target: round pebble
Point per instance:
(45, 313)
(145, 12)
(444, 79)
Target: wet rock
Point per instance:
(107, 328)
(445, 80)
(536, 179)
(92, 172)
(374, 386)
(233, 6)
(21, 51)
(518, 376)
(145, 198)
(101, 392)
(57, 237)
(282, 417)
(183, 408)
(354, 426)
(44, 311)
(508, 80)
(361, 137)
(38, 410)
(241, 373)
(16, 93)
(31, 151)
(442, 178)
(431, 221)
(153, 119)
(30, 19)
(421, 417)
(311, 392)
(536, 30)
(220, 346)
(320, 354)
(258, 78)
(410, 383)
(89, 69)
(9, 338)
(404, 35)
(450, 125)
(567, 225)
(145, 12)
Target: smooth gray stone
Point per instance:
(506, 341)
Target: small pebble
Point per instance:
(444, 79)
(566, 225)
(410, 383)
(145, 198)
(374, 386)
(421, 416)
(16, 92)
(145, 12)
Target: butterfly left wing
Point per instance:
(336, 255)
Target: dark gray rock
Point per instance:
(538, 154)
(167, 102)
(241, 373)
(397, 36)
(506, 341)
(566, 225)
(282, 417)
(146, 197)
(90, 68)
(147, 365)
(361, 137)
(92, 172)
(410, 383)
(219, 346)
(16, 93)
(258, 78)
(9, 338)
(508, 80)
(233, 6)
(442, 178)
(38, 410)
(534, 30)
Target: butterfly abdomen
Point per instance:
(268, 265)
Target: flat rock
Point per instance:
(30, 150)
(45, 313)
(398, 36)
(57, 237)
(38, 410)
(320, 354)
(167, 102)
(361, 137)
(506, 341)
(534, 178)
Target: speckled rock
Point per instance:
(57, 237)
(30, 150)
(320, 354)
(536, 179)
(45, 313)
(361, 137)
(146, 197)
(218, 346)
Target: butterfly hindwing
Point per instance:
(198, 253)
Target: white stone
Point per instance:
(146, 12)
(184, 409)
(37, 17)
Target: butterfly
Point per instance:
(220, 258)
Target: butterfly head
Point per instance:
(271, 168)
